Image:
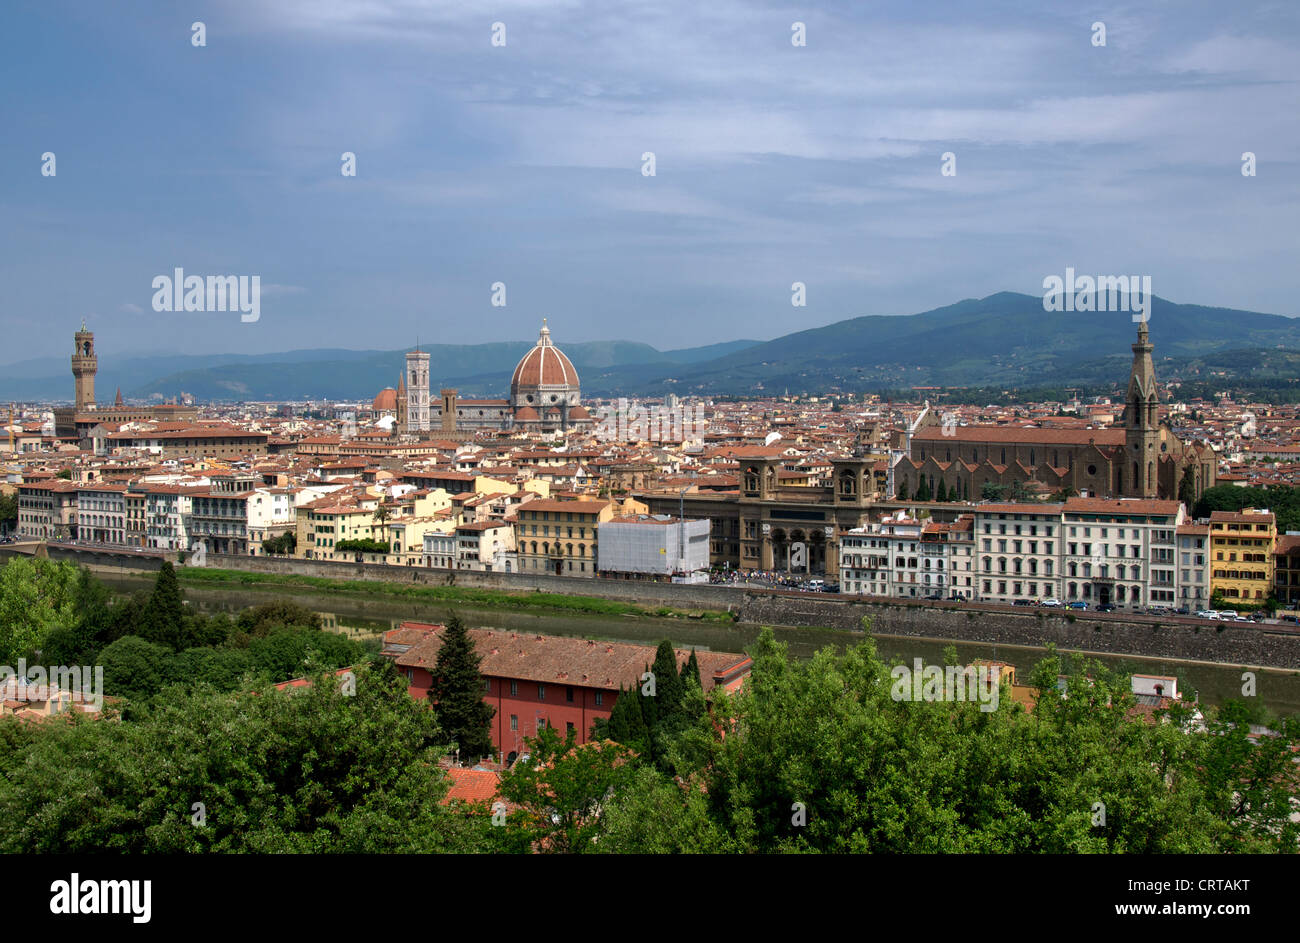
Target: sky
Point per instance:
(522, 164)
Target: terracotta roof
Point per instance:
(554, 659)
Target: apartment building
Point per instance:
(559, 537)
(1017, 549)
(1241, 548)
(485, 546)
(1194, 567)
(101, 514)
(1121, 552)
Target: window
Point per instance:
(600, 698)
(568, 695)
(487, 685)
(541, 692)
(514, 721)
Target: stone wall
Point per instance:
(1148, 638)
(1139, 636)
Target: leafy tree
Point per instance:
(457, 692)
(8, 512)
(311, 770)
(281, 544)
(361, 545)
(135, 668)
(561, 790)
(65, 474)
(1252, 783)
(37, 596)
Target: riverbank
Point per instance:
(449, 595)
(363, 615)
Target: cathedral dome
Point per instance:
(386, 401)
(544, 366)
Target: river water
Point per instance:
(364, 617)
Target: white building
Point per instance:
(652, 545)
(1016, 548)
(1120, 551)
(1193, 581)
(101, 514)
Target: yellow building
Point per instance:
(323, 524)
(1241, 555)
(559, 536)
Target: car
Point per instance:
(1076, 605)
(1208, 614)
(1023, 602)
(1294, 620)
(1104, 607)
(1051, 603)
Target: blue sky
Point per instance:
(522, 164)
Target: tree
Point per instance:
(8, 512)
(941, 491)
(457, 692)
(691, 670)
(1187, 488)
(65, 474)
(626, 724)
(561, 790)
(163, 618)
(310, 770)
(37, 596)
(923, 489)
(280, 545)
(902, 490)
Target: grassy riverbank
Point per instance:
(480, 598)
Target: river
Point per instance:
(364, 617)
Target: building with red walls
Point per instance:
(533, 680)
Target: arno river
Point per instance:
(367, 617)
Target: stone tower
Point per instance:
(401, 402)
(1141, 422)
(84, 365)
(417, 391)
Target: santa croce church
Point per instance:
(1141, 457)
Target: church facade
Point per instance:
(1141, 457)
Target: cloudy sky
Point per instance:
(522, 164)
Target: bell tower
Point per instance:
(1141, 422)
(84, 365)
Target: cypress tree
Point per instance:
(941, 491)
(691, 671)
(164, 614)
(457, 693)
(668, 682)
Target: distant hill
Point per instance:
(1005, 340)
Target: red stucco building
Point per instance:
(551, 679)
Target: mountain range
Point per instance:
(1005, 340)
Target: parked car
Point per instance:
(1051, 603)
(1208, 614)
(935, 596)
(1104, 607)
(1023, 602)
(1076, 605)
